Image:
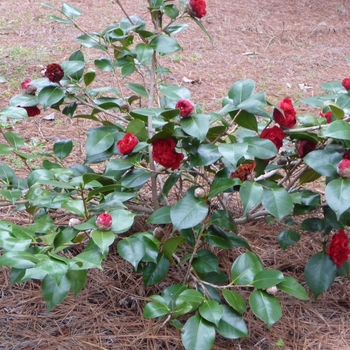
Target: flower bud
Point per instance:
(343, 168)
(199, 192)
(158, 232)
(346, 83)
(104, 222)
(272, 290)
(73, 222)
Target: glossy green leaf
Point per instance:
(54, 292)
(277, 202)
(137, 127)
(241, 90)
(6, 173)
(235, 300)
(14, 139)
(104, 64)
(188, 212)
(75, 206)
(24, 100)
(99, 140)
(233, 152)
(320, 272)
(323, 162)
(232, 325)
(198, 334)
(89, 77)
(87, 260)
(220, 185)
(267, 278)
(196, 125)
(339, 129)
(165, 44)
(245, 267)
(224, 220)
(71, 11)
(265, 306)
(138, 89)
(292, 287)
(122, 220)
(337, 196)
(11, 195)
(73, 68)
(190, 297)
(260, 148)
(287, 238)
(155, 309)
(205, 262)
(217, 238)
(103, 239)
(171, 293)
(160, 216)
(211, 311)
(206, 155)
(144, 52)
(50, 95)
(170, 246)
(171, 11)
(13, 113)
(77, 280)
(63, 148)
(90, 42)
(136, 178)
(155, 272)
(251, 194)
(18, 260)
(131, 249)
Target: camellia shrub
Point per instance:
(267, 156)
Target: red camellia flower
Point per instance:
(338, 249)
(274, 134)
(305, 146)
(25, 84)
(346, 83)
(185, 106)
(288, 120)
(127, 143)
(327, 115)
(54, 72)
(32, 111)
(104, 221)
(164, 153)
(343, 168)
(197, 8)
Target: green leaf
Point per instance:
(245, 267)
(99, 140)
(191, 297)
(198, 334)
(291, 286)
(233, 152)
(206, 155)
(339, 129)
(87, 260)
(13, 113)
(247, 120)
(75, 206)
(337, 196)
(265, 306)
(77, 280)
(72, 68)
(165, 44)
(14, 139)
(188, 212)
(71, 11)
(89, 77)
(63, 148)
(144, 52)
(6, 173)
(131, 249)
(171, 11)
(160, 216)
(277, 202)
(155, 309)
(171, 293)
(104, 64)
(136, 178)
(54, 292)
(232, 325)
(196, 125)
(220, 185)
(320, 272)
(170, 246)
(217, 238)
(103, 239)
(138, 89)
(211, 311)
(261, 148)
(324, 162)
(155, 272)
(205, 262)
(267, 278)
(137, 127)
(241, 90)
(50, 95)
(18, 260)
(287, 238)
(90, 42)
(12, 195)
(235, 300)
(224, 220)
(170, 182)
(251, 194)
(24, 100)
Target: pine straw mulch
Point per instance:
(107, 314)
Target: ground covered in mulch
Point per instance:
(284, 46)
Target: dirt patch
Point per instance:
(279, 44)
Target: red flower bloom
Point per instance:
(288, 120)
(343, 168)
(305, 146)
(185, 106)
(327, 115)
(274, 134)
(127, 143)
(32, 111)
(338, 249)
(104, 221)
(244, 171)
(25, 84)
(54, 72)
(197, 8)
(346, 83)
(164, 153)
